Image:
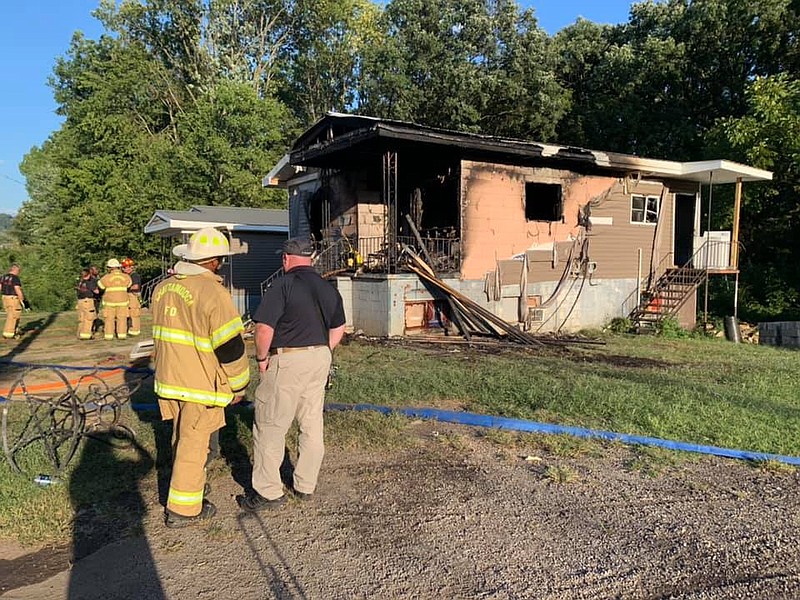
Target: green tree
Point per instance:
(149, 124)
(468, 65)
(768, 136)
(322, 54)
(655, 85)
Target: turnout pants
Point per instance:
(86, 316)
(292, 388)
(192, 426)
(13, 308)
(135, 312)
(115, 315)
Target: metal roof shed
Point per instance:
(256, 236)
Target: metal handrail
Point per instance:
(150, 285)
(669, 277)
(322, 261)
(340, 255)
(268, 281)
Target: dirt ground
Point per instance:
(457, 516)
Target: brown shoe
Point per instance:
(175, 521)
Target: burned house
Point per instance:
(551, 237)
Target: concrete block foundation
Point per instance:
(394, 305)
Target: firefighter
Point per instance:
(200, 366)
(134, 296)
(114, 286)
(87, 291)
(13, 300)
(94, 272)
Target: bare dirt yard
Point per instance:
(456, 515)
(450, 512)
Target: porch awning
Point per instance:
(715, 171)
(168, 223)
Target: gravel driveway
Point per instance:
(456, 515)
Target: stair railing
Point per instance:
(687, 275)
(150, 285)
(327, 260)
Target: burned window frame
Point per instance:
(535, 211)
(645, 215)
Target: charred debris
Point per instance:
(476, 325)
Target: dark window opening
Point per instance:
(543, 202)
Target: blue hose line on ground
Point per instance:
(476, 420)
(465, 418)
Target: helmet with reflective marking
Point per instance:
(205, 243)
(127, 262)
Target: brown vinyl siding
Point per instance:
(614, 247)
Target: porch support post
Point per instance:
(737, 208)
(390, 203)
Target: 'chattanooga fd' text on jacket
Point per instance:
(199, 351)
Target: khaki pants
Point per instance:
(115, 315)
(192, 426)
(86, 316)
(13, 308)
(293, 387)
(135, 312)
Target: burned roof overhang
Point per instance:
(339, 141)
(353, 147)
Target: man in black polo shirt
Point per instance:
(298, 324)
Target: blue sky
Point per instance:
(33, 33)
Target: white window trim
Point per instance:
(646, 197)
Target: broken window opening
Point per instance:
(644, 209)
(543, 202)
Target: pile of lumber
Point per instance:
(470, 318)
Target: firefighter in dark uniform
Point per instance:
(87, 294)
(94, 272)
(134, 297)
(13, 300)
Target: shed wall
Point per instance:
(255, 258)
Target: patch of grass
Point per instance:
(366, 430)
(652, 461)
(561, 474)
(697, 390)
(776, 467)
(453, 440)
(217, 531)
(568, 446)
(500, 437)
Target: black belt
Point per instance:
(274, 351)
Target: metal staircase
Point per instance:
(665, 298)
